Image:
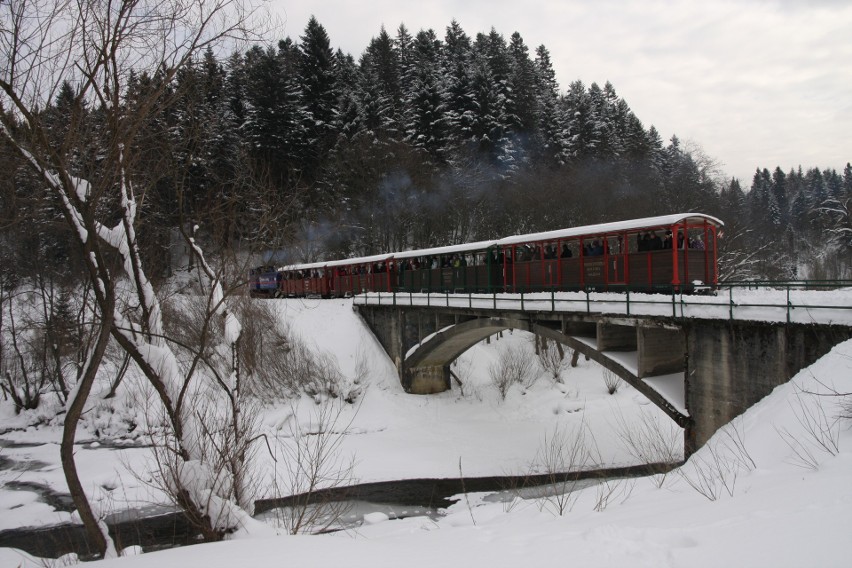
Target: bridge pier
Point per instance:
(427, 380)
(733, 364)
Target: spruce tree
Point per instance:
(317, 84)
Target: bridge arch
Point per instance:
(445, 346)
(427, 367)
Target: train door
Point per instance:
(616, 265)
(550, 277)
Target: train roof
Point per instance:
(650, 223)
(450, 249)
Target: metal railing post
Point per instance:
(674, 304)
(789, 305)
(731, 302)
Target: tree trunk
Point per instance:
(69, 432)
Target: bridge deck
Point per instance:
(832, 307)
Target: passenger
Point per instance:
(656, 242)
(698, 243)
(679, 240)
(566, 252)
(434, 264)
(667, 241)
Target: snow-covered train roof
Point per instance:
(450, 249)
(649, 223)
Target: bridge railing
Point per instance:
(824, 302)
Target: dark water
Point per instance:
(158, 528)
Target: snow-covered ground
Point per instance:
(771, 491)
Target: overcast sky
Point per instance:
(756, 83)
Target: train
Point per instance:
(666, 253)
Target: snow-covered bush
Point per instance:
(513, 366)
(611, 380)
(551, 358)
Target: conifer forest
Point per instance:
(300, 152)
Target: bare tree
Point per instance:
(98, 46)
(653, 440)
(716, 467)
(310, 464)
(562, 456)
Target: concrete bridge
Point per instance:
(702, 372)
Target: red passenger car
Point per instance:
(659, 253)
(667, 253)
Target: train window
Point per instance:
(569, 249)
(614, 244)
(697, 238)
(550, 251)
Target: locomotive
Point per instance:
(666, 253)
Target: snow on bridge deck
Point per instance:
(832, 307)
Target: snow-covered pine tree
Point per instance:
(318, 83)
